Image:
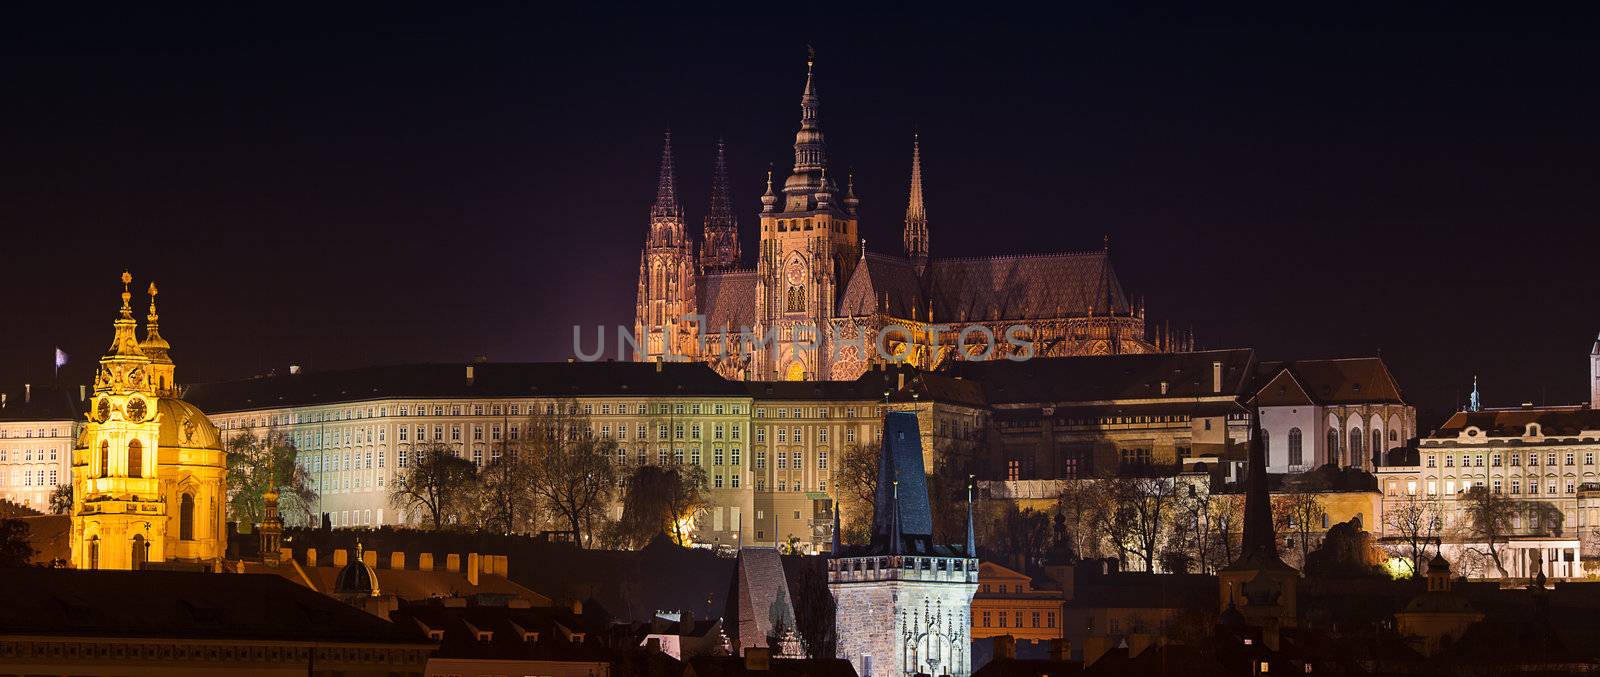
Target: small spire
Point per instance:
(769, 200)
(1473, 401)
(916, 230)
(851, 202)
(894, 519)
(152, 317)
(127, 279)
(972, 535)
(125, 341)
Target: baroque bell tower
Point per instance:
(119, 515)
(666, 300)
(808, 249)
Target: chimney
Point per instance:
(452, 563)
(341, 557)
(658, 365)
(397, 559)
(2, 400)
(653, 645)
(370, 558)
(758, 658)
(27, 393)
(1060, 649)
(472, 568)
(1216, 376)
(425, 561)
(285, 554)
(1005, 646)
(1163, 387)
(900, 381)
(577, 607)
(471, 374)
(686, 623)
(502, 565)
(294, 369)
(83, 393)
(311, 557)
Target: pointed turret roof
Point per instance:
(154, 345)
(125, 340)
(1259, 549)
(666, 203)
(916, 231)
(902, 520)
(719, 212)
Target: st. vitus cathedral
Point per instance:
(816, 285)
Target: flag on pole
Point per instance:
(61, 359)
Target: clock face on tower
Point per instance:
(136, 409)
(796, 272)
(103, 411)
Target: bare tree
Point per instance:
(16, 548)
(1227, 516)
(257, 461)
(1138, 514)
(856, 481)
(1486, 517)
(1416, 523)
(570, 469)
(1080, 502)
(506, 502)
(437, 482)
(1300, 515)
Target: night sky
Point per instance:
(340, 186)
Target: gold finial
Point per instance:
(811, 57)
(153, 293)
(127, 278)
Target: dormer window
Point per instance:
(1533, 430)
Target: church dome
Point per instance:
(356, 578)
(184, 425)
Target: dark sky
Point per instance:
(337, 185)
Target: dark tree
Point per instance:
(814, 609)
(1488, 516)
(254, 462)
(436, 483)
(658, 499)
(856, 480)
(61, 499)
(15, 548)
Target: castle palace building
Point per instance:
(149, 475)
(819, 306)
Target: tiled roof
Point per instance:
(168, 604)
(46, 403)
(734, 666)
(507, 624)
(1025, 287)
(1353, 380)
(1553, 421)
(879, 275)
(900, 461)
(759, 588)
(1102, 378)
(728, 300)
(536, 379)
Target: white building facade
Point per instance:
(37, 428)
(1344, 411)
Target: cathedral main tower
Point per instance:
(149, 474)
(808, 249)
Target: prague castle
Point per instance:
(149, 475)
(816, 285)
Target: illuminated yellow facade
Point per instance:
(149, 474)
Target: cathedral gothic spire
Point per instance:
(719, 249)
(916, 233)
(666, 274)
(666, 204)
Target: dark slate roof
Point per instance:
(1042, 286)
(1026, 287)
(166, 604)
(878, 276)
(728, 300)
(733, 666)
(901, 460)
(758, 585)
(1101, 378)
(877, 384)
(506, 643)
(535, 379)
(1128, 590)
(1553, 421)
(1351, 380)
(47, 403)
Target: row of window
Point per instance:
(783, 460)
(1551, 487)
(988, 619)
(27, 454)
(31, 478)
(588, 409)
(30, 433)
(796, 434)
(1476, 460)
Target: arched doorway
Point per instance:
(795, 372)
(94, 552)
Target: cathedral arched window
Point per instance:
(1377, 441)
(105, 458)
(797, 299)
(186, 517)
(1333, 446)
(135, 459)
(1296, 456)
(1355, 446)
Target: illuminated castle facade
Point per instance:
(149, 475)
(815, 284)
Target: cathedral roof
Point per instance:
(880, 278)
(728, 300)
(1026, 287)
(532, 379)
